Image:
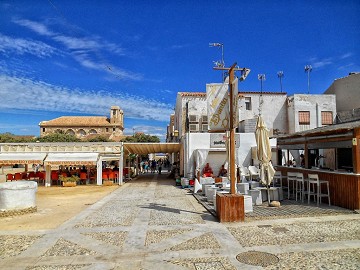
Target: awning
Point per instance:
(71, 159)
(149, 148)
(21, 158)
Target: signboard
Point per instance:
(218, 140)
(217, 99)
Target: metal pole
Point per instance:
(308, 69)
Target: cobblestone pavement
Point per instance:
(149, 223)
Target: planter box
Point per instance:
(69, 184)
(230, 207)
(108, 183)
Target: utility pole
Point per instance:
(308, 69)
(232, 127)
(280, 75)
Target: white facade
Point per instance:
(273, 110)
(312, 105)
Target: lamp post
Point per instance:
(280, 75)
(221, 63)
(308, 69)
(261, 78)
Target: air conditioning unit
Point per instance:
(205, 127)
(204, 119)
(194, 127)
(193, 118)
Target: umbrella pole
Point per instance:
(267, 187)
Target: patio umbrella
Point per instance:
(264, 154)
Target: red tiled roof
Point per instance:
(75, 121)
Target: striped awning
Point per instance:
(71, 159)
(21, 158)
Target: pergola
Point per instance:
(344, 181)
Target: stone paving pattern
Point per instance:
(149, 223)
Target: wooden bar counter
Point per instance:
(344, 187)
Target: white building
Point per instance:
(282, 115)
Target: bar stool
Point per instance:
(314, 181)
(291, 181)
(300, 186)
(277, 178)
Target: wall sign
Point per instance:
(218, 140)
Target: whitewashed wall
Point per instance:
(315, 104)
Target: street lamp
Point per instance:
(220, 63)
(280, 75)
(308, 69)
(261, 78)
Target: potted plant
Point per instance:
(69, 181)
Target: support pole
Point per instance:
(232, 134)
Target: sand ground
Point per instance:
(55, 205)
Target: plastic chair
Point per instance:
(83, 178)
(313, 183)
(254, 172)
(111, 175)
(9, 177)
(244, 172)
(55, 177)
(17, 176)
(24, 176)
(105, 176)
(33, 177)
(40, 176)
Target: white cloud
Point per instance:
(34, 26)
(322, 63)
(26, 94)
(84, 50)
(346, 55)
(22, 46)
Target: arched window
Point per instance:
(81, 132)
(70, 132)
(92, 131)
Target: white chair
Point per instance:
(300, 187)
(244, 173)
(313, 183)
(254, 172)
(291, 181)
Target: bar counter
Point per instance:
(344, 186)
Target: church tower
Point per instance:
(117, 120)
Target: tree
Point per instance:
(99, 139)
(141, 137)
(11, 138)
(58, 137)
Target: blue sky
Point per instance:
(80, 57)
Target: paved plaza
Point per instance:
(149, 223)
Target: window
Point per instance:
(304, 118)
(107, 129)
(114, 129)
(326, 118)
(248, 103)
(43, 129)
